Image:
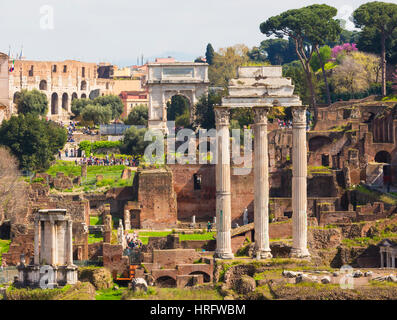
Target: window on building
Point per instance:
(83, 72)
(65, 68)
(54, 68)
(31, 71)
(197, 181)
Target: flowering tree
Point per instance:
(344, 48)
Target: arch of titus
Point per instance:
(261, 88)
(166, 80)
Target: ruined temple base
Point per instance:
(225, 255)
(33, 276)
(300, 254)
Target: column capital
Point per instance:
(299, 114)
(222, 115)
(260, 114)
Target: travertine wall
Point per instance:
(61, 81)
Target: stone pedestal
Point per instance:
(127, 220)
(299, 183)
(223, 195)
(261, 184)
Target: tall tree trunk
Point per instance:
(383, 58)
(324, 76)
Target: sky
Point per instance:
(120, 31)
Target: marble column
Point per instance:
(261, 184)
(223, 195)
(299, 188)
(37, 242)
(53, 259)
(69, 239)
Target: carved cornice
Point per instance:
(222, 115)
(260, 114)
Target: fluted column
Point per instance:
(69, 237)
(261, 184)
(53, 259)
(299, 188)
(37, 242)
(223, 195)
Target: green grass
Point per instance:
(110, 294)
(4, 246)
(392, 97)
(94, 238)
(111, 175)
(145, 235)
(95, 220)
(200, 293)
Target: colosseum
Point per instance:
(61, 81)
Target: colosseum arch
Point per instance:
(54, 103)
(83, 96)
(169, 79)
(74, 96)
(65, 101)
(83, 85)
(43, 85)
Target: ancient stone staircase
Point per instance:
(242, 229)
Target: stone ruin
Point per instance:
(53, 252)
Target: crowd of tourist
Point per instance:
(133, 241)
(287, 124)
(108, 161)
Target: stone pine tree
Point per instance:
(209, 54)
(308, 27)
(380, 20)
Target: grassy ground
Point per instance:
(95, 220)
(145, 235)
(111, 175)
(94, 238)
(110, 294)
(4, 246)
(196, 293)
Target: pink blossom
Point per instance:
(346, 47)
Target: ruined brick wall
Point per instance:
(157, 199)
(168, 259)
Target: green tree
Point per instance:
(138, 115)
(225, 64)
(177, 107)
(209, 54)
(204, 115)
(115, 103)
(97, 114)
(378, 18)
(133, 141)
(32, 140)
(278, 51)
(78, 105)
(34, 102)
(309, 28)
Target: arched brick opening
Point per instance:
(83, 96)
(165, 282)
(383, 157)
(43, 85)
(83, 85)
(16, 96)
(74, 96)
(54, 103)
(65, 101)
(206, 276)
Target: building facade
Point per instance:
(61, 82)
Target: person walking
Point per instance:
(209, 226)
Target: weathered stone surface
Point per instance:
(101, 278)
(324, 238)
(138, 284)
(244, 284)
(325, 280)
